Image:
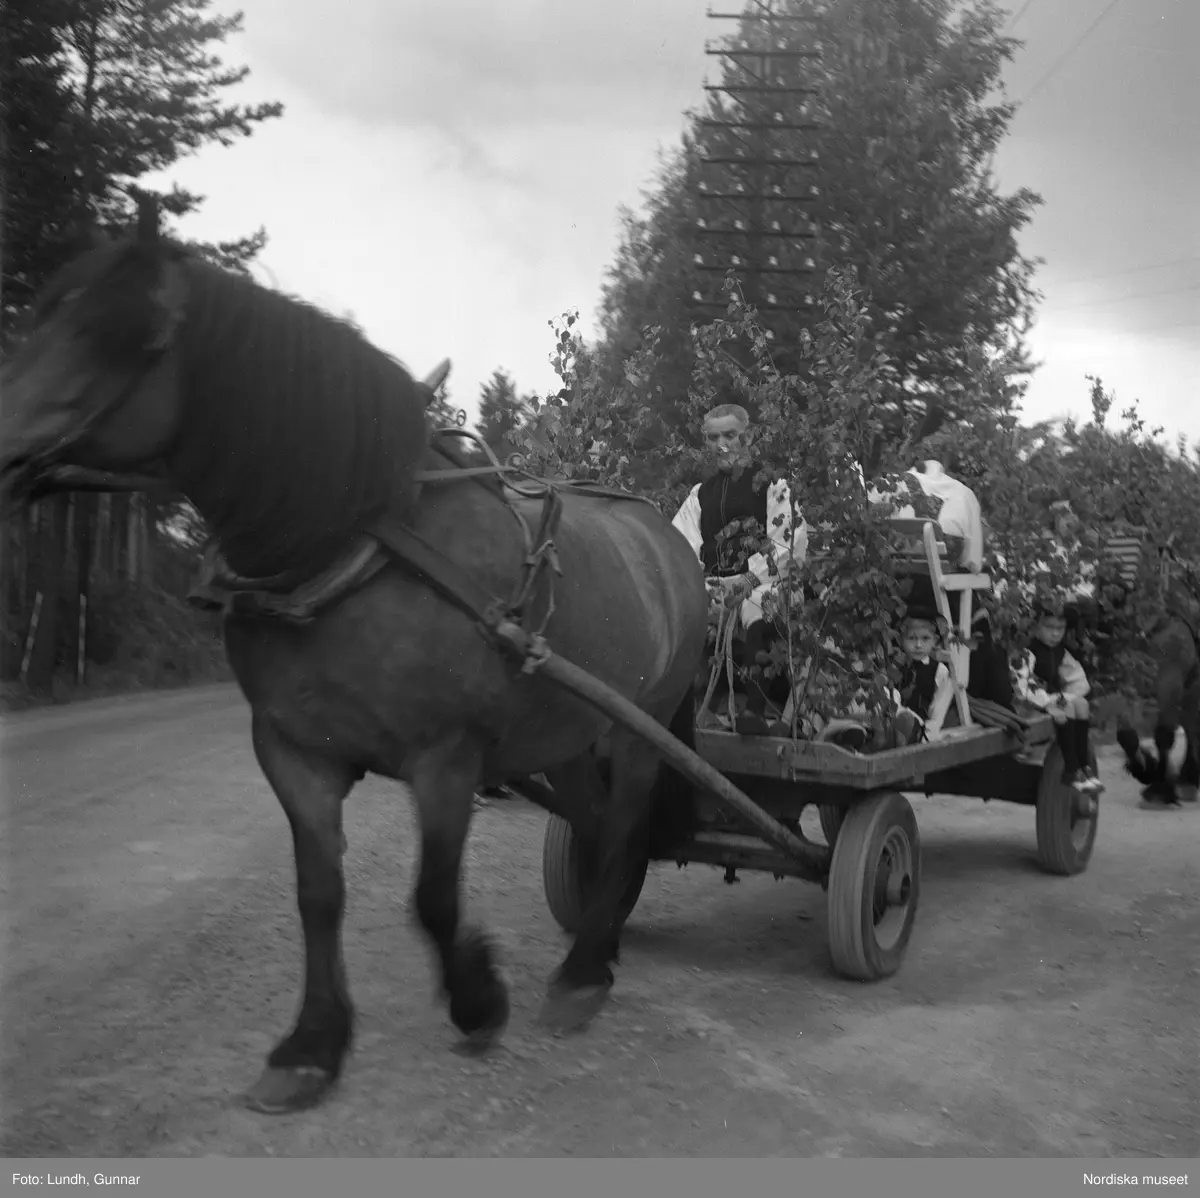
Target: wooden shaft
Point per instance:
(616, 706)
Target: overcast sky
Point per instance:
(449, 173)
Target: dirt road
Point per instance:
(152, 957)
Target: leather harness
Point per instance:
(387, 539)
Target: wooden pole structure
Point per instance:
(32, 636)
(748, 193)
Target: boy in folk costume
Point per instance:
(1051, 680)
(729, 495)
(924, 673)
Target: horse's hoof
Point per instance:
(282, 1091)
(475, 1043)
(1157, 799)
(572, 1009)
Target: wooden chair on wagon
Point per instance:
(925, 551)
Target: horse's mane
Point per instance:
(295, 426)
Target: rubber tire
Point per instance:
(567, 876)
(856, 952)
(1057, 852)
(832, 817)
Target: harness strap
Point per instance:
(452, 582)
(296, 595)
(218, 588)
(412, 551)
(540, 553)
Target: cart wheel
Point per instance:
(1066, 820)
(874, 887)
(832, 818)
(569, 874)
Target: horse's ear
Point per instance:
(170, 299)
(437, 376)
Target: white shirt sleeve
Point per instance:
(687, 520)
(960, 516)
(973, 549)
(1074, 680)
(788, 544)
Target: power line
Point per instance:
(1020, 13)
(1070, 50)
(1124, 299)
(1162, 328)
(1131, 270)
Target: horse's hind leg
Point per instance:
(581, 984)
(443, 781)
(303, 1066)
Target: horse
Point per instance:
(292, 434)
(1168, 763)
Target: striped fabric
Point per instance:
(1125, 551)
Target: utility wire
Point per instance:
(1068, 52)
(1124, 299)
(1020, 13)
(1131, 270)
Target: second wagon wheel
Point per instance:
(832, 817)
(874, 887)
(1066, 820)
(850, 734)
(569, 876)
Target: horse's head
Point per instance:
(92, 382)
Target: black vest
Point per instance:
(918, 685)
(723, 499)
(1047, 662)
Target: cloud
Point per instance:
(481, 66)
(450, 172)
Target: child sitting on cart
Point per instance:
(924, 673)
(1051, 680)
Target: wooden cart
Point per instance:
(750, 793)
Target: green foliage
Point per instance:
(102, 93)
(905, 200)
(1054, 497)
(812, 428)
(39, 160)
(502, 411)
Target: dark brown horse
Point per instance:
(1167, 765)
(290, 433)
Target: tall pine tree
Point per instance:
(908, 115)
(99, 94)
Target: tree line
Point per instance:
(922, 296)
(99, 94)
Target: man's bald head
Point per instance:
(725, 435)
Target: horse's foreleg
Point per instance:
(304, 1065)
(443, 781)
(581, 984)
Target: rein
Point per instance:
(388, 539)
